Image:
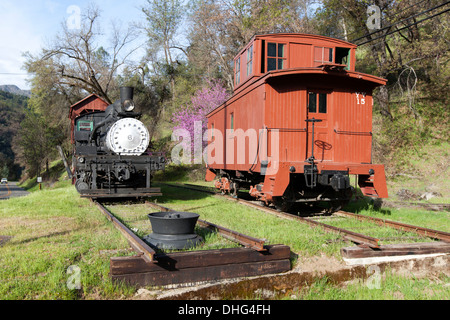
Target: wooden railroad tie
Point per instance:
(401, 249)
(196, 266)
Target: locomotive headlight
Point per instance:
(128, 105)
(80, 159)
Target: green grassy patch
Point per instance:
(52, 230)
(387, 286)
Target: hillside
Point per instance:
(12, 112)
(11, 88)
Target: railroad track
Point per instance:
(347, 234)
(149, 267)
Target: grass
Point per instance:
(53, 229)
(388, 286)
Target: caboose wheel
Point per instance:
(337, 205)
(281, 204)
(234, 188)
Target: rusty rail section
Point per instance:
(353, 236)
(430, 233)
(350, 235)
(143, 249)
(150, 268)
(245, 240)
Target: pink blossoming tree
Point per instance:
(191, 117)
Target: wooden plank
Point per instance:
(197, 259)
(396, 250)
(191, 275)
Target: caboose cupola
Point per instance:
(275, 52)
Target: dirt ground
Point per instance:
(304, 273)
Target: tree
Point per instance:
(75, 59)
(401, 43)
(202, 102)
(163, 19)
(35, 142)
(218, 30)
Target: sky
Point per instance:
(28, 25)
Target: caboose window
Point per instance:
(312, 102)
(237, 71)
(232, 122)
(317, 101)
(323, 55)
(275, 56)
(343, 57)
(250, 60)
(322, 103)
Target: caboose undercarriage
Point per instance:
(106, 176)
(302, 183)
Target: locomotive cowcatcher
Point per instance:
(298, 125)
(111, 156)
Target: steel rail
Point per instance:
(350, 235)
(243, 239)
(435, 234)
(136, 243)
(430, 233)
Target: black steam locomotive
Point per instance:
(111, 156)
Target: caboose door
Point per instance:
(318, 109)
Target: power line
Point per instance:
(417, 22)
(393, 24)
(13, 73)
(393, 14)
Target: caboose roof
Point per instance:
(309, 38)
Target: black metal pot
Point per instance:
(173, 230)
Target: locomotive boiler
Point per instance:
(298, 126)
(111, 157)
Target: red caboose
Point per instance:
(298, 124)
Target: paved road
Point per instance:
(10, 190)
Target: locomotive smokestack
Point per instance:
(126, 93)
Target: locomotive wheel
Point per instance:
(81, 185)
